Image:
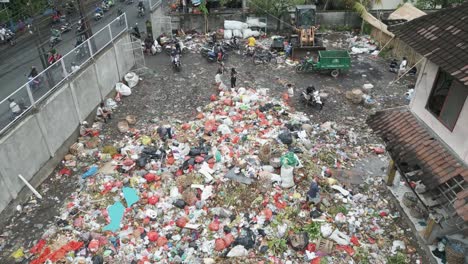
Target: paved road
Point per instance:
(16, 62)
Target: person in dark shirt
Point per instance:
(233, 77)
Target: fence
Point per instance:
(41, 86)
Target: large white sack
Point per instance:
(255, 22)
(132, 79)
(232, 24)
(123, 89)
(248, 33)
(227, 34)
(237, 33)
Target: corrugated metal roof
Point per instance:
(442, 37)
(412, 146)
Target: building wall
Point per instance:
(456, 139)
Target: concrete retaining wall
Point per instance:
(35, 146)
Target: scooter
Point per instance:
(176, 63)
(64, 28)
(156, 48)
(98, 15)
(10, 37)
(393, 66)
(312, 97)
(54, 40)
(141, 11)
(250, 51)
(263, 58)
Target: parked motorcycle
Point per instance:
(98, 15)
(141, 12)
(64, 28)
(249, 51)
(10, 37)
(176, 63)
(393, 66)
(312, 97)
(265, 57)
(55, 39)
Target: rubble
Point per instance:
(230, 183)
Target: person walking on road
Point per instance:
(233, 78)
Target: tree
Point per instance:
(361, 7)
(276, 8)
(431, 4)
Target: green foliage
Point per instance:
(312, 229)
(203, 8)
(431, 4)
(277, 246)
(276, 8)
(399, 258)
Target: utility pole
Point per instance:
(38, 40)
(88, 32)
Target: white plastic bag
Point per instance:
(238, 251)
(224, 129)
(123, 89)
(132, 79)
(287, 176)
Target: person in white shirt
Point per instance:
(74, 67)
(2, 33)
(103, 113)
(14, 107)
(403, 65)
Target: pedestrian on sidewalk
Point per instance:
(233, 77)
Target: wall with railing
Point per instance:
(37, 140)
(46, 82)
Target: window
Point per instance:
(447, 99)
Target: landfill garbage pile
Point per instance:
(227, 187)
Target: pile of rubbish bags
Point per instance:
(229, 186)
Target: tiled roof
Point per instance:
(413, 146)
(442, 37)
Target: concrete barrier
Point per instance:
(86, 88)
(58, 117)
(24, 151)
(108, 73)
(37, 144)
(124, 53)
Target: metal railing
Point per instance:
(37, 89)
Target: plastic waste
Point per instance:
(123, 89)
(132, 79)
(238, 251)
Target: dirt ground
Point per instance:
(164, 95)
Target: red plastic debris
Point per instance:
(153, 236)
(181, 222)
(38, 247)
(355, 241)
(150, 177)
(65, 171)
(153, 200)
(220, 244)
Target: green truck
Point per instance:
(333, 61)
